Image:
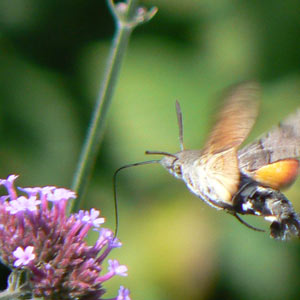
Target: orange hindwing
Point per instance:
(279, 174)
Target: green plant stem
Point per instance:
(18, 288)
(96, 129)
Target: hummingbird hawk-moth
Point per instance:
(245, 181)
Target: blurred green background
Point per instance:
(52, 57)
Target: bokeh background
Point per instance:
(52, 57)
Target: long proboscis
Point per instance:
(115, 187)
(160, 153)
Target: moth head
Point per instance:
(173, 165)
(170, 162)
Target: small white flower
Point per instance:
(24, 257)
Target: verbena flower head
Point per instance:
(38, 236)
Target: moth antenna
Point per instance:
(160, 153)
(247, 224)
(180, 124)
(115, 188)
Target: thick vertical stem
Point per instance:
(96, 129)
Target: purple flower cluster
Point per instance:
(37, 235)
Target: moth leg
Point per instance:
(247, 224)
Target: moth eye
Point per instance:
(177, 170)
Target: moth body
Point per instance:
(195, 169)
